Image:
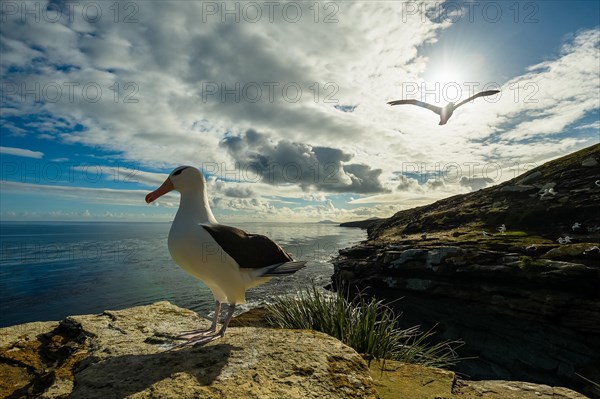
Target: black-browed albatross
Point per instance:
(444, 112)
(228, 260)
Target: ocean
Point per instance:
(50, 270)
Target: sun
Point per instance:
(448, 80)
(446, 75)
(454, 75)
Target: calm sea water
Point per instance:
(51, 270)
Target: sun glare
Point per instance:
(454, 78)
(448, 81)
(446, 75)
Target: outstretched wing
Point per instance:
(480, 94)
(437, 110)
(252, 251)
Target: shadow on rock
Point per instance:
(122, 376)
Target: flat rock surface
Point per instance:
(409, 381)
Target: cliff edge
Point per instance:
(512, 270)
(123, 354)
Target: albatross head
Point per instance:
(182, 179)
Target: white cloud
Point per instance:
(21, 152)
(124, 174)
(556, 93)
(167, 64)
(594, 126)
(152, 113)
(86, 194)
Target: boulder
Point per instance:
(125, 354)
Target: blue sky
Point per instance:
(284, 108)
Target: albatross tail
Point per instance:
(283, 269)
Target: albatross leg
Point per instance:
(206, 338)
(206, 331)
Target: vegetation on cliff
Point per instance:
(365, 324)
(541, 205)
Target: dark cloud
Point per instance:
(407, 184)
(238, 192)
(286, 162)
(434, 184)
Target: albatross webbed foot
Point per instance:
(203, 338)
(187, 335)
(199, 340)
(203, 331)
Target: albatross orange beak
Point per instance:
(159, 192)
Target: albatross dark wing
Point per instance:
(480, 94)
(252, 251)
(434, 108)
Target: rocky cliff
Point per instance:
(362, 224)
(123, 354)
(525, 300)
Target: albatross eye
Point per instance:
(178, 172)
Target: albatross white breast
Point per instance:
(228, 260)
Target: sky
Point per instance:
(282, 104)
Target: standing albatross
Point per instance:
(228, 260)
(446, 112)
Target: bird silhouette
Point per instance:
(444, 112)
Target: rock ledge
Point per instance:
(122, 354)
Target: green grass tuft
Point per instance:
(527, 261)
(367, 325)
(515, 234)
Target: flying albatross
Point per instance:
(446, 112)
(228, 260)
